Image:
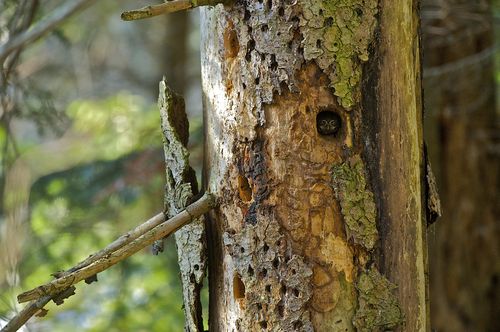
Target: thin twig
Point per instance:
(201, 206)
(44, 26)
(24, 26)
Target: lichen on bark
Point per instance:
(270, 41)
(356, 201)
(337, 35)
(378, 308)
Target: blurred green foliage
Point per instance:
(91, 86)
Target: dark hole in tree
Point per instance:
(328, 123)
(250, 48)
(246, 17)
(274, 63)
(281, 310)
(238, 287)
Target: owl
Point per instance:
(328, 123)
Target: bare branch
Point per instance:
(46, 25)
(201, 206)
(117, 244)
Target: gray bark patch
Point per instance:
(276, 283)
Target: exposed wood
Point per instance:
(394, 153)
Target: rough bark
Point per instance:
(460, 130)
(314, 146)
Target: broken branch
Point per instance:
(123, 247)
(166, 8)
(155, 10)
(201, 206)
(117, 244)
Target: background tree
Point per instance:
(462, 133)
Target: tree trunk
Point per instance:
(314, 146)
(461, 122)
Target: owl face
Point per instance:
(328, 127)
(328, 123)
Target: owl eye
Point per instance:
(324, 122)
(333, 123)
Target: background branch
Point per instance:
(44, 26)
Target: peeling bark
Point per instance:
(297, 232)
